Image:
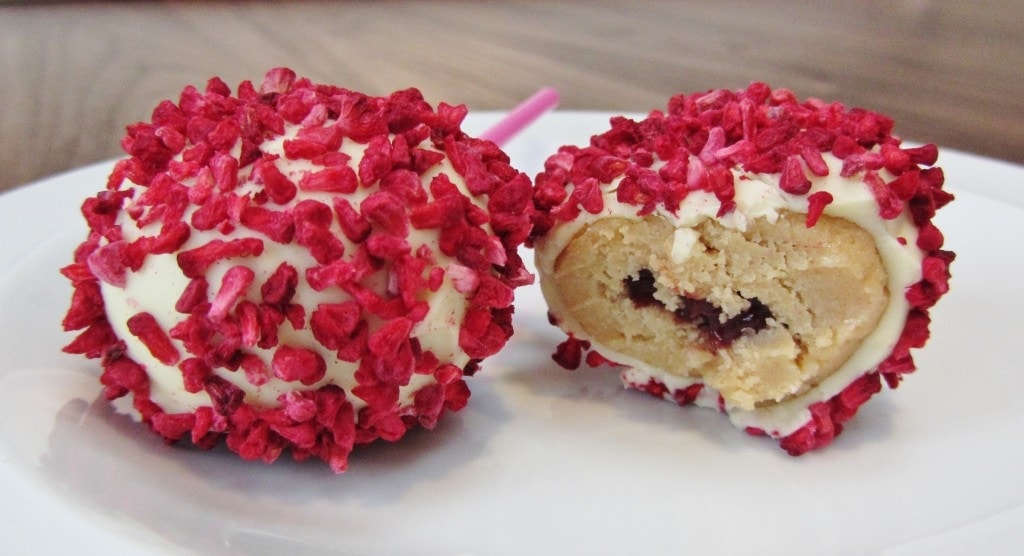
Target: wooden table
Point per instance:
(72, 75)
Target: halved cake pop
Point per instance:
(746, 251)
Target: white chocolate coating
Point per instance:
(156, 287)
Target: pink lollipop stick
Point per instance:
(522, 116)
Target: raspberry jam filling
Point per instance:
(700, 313)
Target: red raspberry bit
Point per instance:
(224, 168)
(233, 286)
(212, 213)
(445, 212)
(280, 189)
(492, 292)
(101, 212)
(194, 372)
(86, 306)
(406, 185)
(816, 203)
(297, 364)
(298, 406)
(652, 387)
(793, 180)
(827, 417)
(814, 160)
(435, 278)
(96, 341)
(121, 376)
(334, 324)
(224, 135)
(387, 247)
(172, 236)
(108, 263)
(226, 397)
(688, 395)
(889, 205)
(389, 338)
(255, 368)
(464, 280)
(280, 286)
(429, 404)
(456, 395)
(279, 226)
(589, 196)
(321, 242)
(193, 295)
(353, 225)
(387, 212)
(906, 185)
(569, 354)
(195, 262)
(313, 141)
(334, 179)
(247, 316)
(925, 154)
(595, 359)
(447, 374)
(277, 80)
(376, 161)
(172, 426)
(144, 327)
(480, 335)
(338, 273)
(929, 237)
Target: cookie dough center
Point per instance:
(760, 315)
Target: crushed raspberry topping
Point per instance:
(698, 141)
(702, 137)
(201, 165)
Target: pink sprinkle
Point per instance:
(522, 115)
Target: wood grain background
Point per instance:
(72, 75)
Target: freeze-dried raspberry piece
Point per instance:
(314, 140)
(275, 224)
(335, 179)
(86, 306)
(194, 262)
(793, 179)
(120, 376)
(816, 203)
(313, 220)
(144, 327)
(280, 286)
(569, 354)
(481, 335)
(232, 288)
(194, 372)
(387, 212)
(280, 189)
(256, 371)
(95, 341)
(333, 324)
(193, 295)
(297, 364)
(109, 263)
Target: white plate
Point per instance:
(543, 460)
